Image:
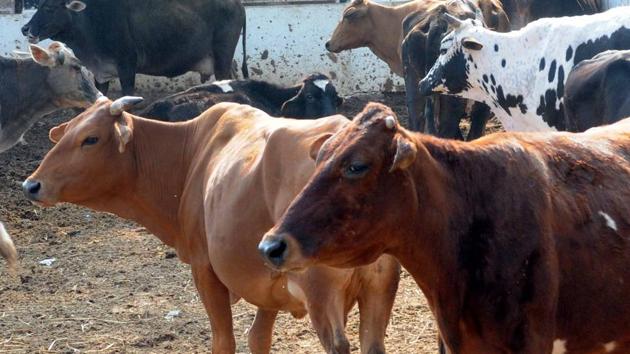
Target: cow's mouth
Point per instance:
(33, 39)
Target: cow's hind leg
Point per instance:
(216, 299)
(379, 283)
(260, 333)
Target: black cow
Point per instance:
(597, 91)
(33, 87)
(423, 32)
(314, 97)
(119, 38)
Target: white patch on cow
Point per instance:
(609, 221)
(559, 346)
(522, 76)
(321, 84)
(224, 85)
(295, 291)
(610, 346)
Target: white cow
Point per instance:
(521, 74)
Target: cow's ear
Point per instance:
(317, 145)
(123, 126)
(405, 155)
(471, 43)
(55, 134)
(354, 12)
(42, 56)
(76, 5)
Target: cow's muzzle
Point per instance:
(26, 31)
(426, 87)
(31, 189)
(274, 249)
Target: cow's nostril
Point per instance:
(274, 251)
(31, 188)
(327, 45)
(25, 29)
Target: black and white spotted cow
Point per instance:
(314, 97)
(521, 74)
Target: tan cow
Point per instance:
(368, 24)
(210, 188)
(7, 248)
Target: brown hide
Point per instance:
(210, 188)
(520, 241)
(368, 24)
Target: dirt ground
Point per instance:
(112, 284)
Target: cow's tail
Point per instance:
(7, 248)
(244, 65)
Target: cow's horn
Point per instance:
(124, 103)
(390, 122)
(452, 20)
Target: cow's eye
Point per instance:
(443, 51)
(356, 170)
(310, 97)
(90, 140)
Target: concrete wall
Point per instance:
(284, 44)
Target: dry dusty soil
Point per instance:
(112, 283)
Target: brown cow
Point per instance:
(519, 241)
(368, 24)
(210, 188)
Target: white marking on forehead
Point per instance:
(610, 346)
(609, 221)
(321, 84)
(224, 85)
(559, 346)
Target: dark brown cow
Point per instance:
(519, 241)
(522, 12)
(423, 32)
(210, 187)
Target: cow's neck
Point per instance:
(276, 95)
(448, 179)
(24, 98)
(161, 160)
(385, 41)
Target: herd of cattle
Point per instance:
(520, 241)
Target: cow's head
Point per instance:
(52, 17)
(92, 159)
(70, 83)
(458, 50)
(316, 98)
(355, 28)
(521, 11)
(351, 205)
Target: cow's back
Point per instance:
(147, 33)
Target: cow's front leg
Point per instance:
(260, 333)
(216, 299)
(127, 76)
